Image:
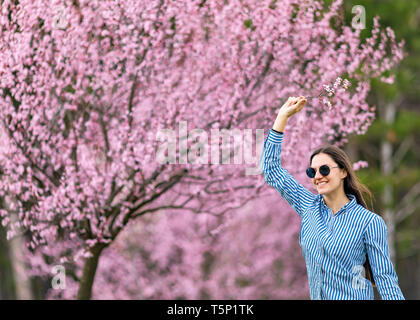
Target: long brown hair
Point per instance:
(352, 185)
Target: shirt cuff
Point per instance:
(275, 136)
(276, 131)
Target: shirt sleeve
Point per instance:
(276, 176)
(385, 277)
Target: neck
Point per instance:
(336, 201)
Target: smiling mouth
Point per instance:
(321, 184)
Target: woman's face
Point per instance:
(333, 181)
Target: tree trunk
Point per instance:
(22, 282)
(388, 216)
(17, 260)
(387, 168)
(88, 275)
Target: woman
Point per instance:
(338, 234)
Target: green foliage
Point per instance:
(403, 16)
(407, 123)
(249, 25)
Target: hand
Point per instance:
(292, 105)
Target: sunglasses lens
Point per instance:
(324, 170)
(310, 172)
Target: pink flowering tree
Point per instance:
(86, 88)
(248, 255)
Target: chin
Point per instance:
(322, 191)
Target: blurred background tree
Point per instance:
(392, 143)
(391, 146)
(7, 287)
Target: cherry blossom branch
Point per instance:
(328, 91)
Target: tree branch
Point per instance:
(181, 206)
(55, 182)
(402, 150)
(407, 202)
(407, 210)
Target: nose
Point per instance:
(318, 175)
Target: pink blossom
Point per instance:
(389, 80)
(360, 164)
(346, 84)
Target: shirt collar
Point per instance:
(352, 203)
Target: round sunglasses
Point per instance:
(324, 170)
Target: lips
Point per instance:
(322, 183)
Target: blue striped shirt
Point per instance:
(334, 245)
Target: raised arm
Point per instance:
(275, 175)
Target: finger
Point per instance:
(301, 104)
(292, 101)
